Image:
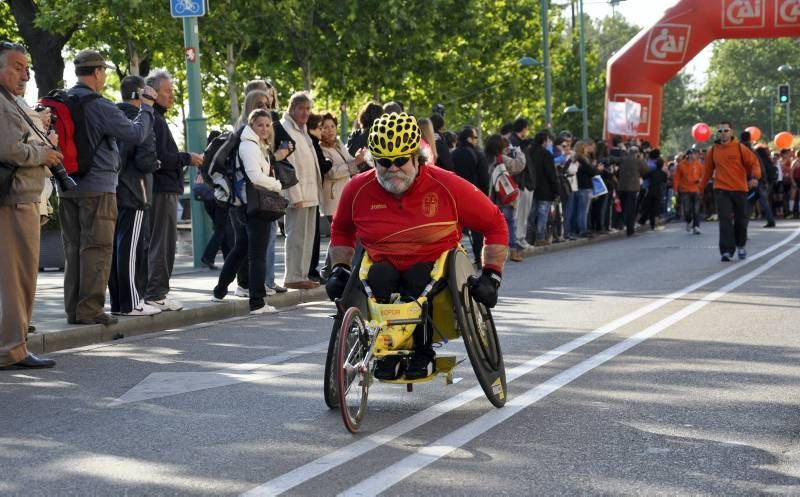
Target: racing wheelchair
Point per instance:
(365, 330)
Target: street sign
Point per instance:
(187, 8)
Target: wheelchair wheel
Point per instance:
(478, 332)
(352, 374)
(331, 394)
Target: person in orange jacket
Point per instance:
(687, 182)
(735, 170)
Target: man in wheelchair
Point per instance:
(405, 215)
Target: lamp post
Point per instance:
(548, 110)
(584, 97)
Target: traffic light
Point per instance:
(783, 94)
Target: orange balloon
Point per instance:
(755, 133)
(784, 139)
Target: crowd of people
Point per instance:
(119, 223)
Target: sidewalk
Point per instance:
(192, 286)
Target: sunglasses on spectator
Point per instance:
(396, 162)
(724, 130)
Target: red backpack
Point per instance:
(504, 189)
(70, 124)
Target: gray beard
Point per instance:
(385, 177)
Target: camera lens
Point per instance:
(65, 183)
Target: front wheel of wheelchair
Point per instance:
(478, 332)
(352, 373)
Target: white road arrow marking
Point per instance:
(159, 385)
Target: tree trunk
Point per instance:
(233, 94)
(45, 47)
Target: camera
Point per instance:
(65, 183)
(53, 116)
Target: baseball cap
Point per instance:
(91, 58)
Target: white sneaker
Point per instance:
(166, 304)
(271, 291)
(696, 230)
(215, 299)
(523, 244)
(242, 292)
(144, 310)
(267, 309)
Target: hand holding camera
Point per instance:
(148, 94)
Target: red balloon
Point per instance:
(755, 133)
(701, 132)
(784, 139)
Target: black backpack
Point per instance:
(218, 169)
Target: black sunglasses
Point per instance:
(397, 162)
(724, 130)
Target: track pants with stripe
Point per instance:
(128, 279)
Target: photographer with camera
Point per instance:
(88, 213)
(24, 159)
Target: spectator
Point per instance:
(496, 150)
(654, 195)
(22, 147)
(631, 171)
(686, 182)
(392, 106)
(452, 140)
(88, 213)
(546, 185)
(366, 116)
(343, 166)
(252, 232)
(222, 236)
(733, 168)
(470, 163)
(524, 179)
(314, 126)
(443, 158)
(584, 174)
(427, 146)
(765, 184)
(128, 280)
(167, 187)
(303, 197)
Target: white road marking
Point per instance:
(356, 449)
(158, 385)
(426, 456)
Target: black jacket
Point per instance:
(585, 174)
(443, 157)
(325, 164)
(471, 164)
(137, 164)
(544, 170)
(169, 177)
(357, 140)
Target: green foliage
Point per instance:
(8, 28)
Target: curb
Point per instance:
(64, 336)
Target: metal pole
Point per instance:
(584, 97)
(771, 116)
(548, 108)
(195, 132)
(789, 115)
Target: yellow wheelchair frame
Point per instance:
(365, 330)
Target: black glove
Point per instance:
(337, 281)
(483, 287)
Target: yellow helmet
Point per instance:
(394, 135)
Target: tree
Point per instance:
(44, 46)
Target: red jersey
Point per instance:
(418, 225)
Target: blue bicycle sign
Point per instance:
(187, 8)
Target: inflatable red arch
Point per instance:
(641, 68)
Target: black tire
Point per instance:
(352, 385)
(330, 391)
(477, 329)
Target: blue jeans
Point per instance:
(270, 257)
(509, 212)
(542, 208)
(582, 210)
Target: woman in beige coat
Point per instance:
(344, 165)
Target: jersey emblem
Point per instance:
(376, 207)
(430, 204)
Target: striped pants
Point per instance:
(128, 279)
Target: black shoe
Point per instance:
(420, 365)
(31, 362)
(769, 225)
(318, 279)
(208, 263)
(387, 368)
(31, 328)
(104, 319)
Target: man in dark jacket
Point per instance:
(128, 280)
(525, 179)
(470, 163)
(631, 171)
(88, 212)
(546, 185)
(443, 158)
(167, 187)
